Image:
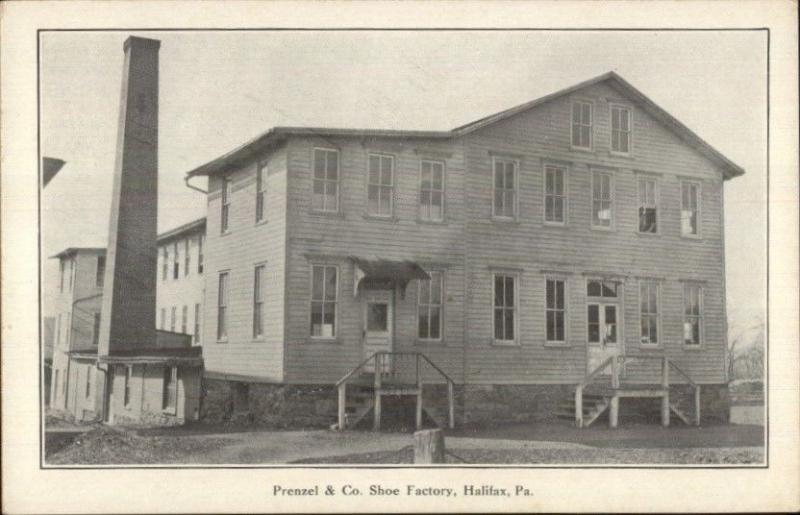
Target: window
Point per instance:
(555, 195)
(96, 330)
(431, 191)
(187, 256)
(648, 309)
(602, 207)
(163, 319)
(504, 308)
(602, 311)
(602, 288)
(61, 275)
(127, 389)
(222, 307)
(323, 301)
(170, 389)
(226, 205)
(582, 125)
(197, 324)
(690, 208)
(100, 272)
(556, 308)
(200, 240)
(258, 301)
(380, 189)
(172, 319)
(176, 262)
(326, 180)
(620, 129)
(692, 314)
(164, 263)
(648, 207)
(505, 188)
(58, 329)
(430, 299)
(261, 190)
(88, 381)
(184, 318)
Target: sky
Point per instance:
(220, 89)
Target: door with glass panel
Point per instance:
(378, 319)
(602, 322)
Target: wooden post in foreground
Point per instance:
(665, 388)
(697, 405)
(376, 419)
(342, 416)
(429, 446)
(613, 412)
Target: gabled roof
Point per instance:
(277, 135)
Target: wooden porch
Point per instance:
(391, 374)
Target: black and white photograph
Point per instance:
(387, 248)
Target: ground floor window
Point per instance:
(556, 309)
(169, 399)
(648, 309)
(429, 307)
(692, 314)
(324, 289)
(505, 312)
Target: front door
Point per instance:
(378, 320)
(603, 334)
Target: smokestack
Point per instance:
(129, 293)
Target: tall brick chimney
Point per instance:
(129, 294)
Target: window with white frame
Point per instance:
(172, 318)
(620, 129)
(648, 205)
(176, 261)
(258, 301)
(431, 191)
(324, 292)
(692, 314)
(430, 301)
(100, 272)
(690, 208)
(224, 219)
(505, 308)
(582, 124)
(326, 180)
(555, 194)
(555, 310)
(222, 307)
(649, 312)
(380, 188)
(96, 329)
(261, 190)
(169, 399)
(602, 305)
(197, 324)
(602, 200)
(504, 204)
(187, 257)
(127, 387)
(184, 318)
(164, 263)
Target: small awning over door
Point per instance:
(384, 274)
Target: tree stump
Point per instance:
(429, 446)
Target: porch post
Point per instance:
(376, 421)
(419, 394)
(342, 399)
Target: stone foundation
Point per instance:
(503, 404)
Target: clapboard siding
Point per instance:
(317, 238)
(246, 245)
(542, 135)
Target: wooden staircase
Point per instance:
(399, 374)
(598, 393)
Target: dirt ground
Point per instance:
(523, 443)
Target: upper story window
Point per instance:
(324, 288)
(187, 256)
(690, 208)
(430, 300)
(258, 301)
(326, 180)
(380, 189)
(648, 312)
(505, 308)
(582, 124)
(261, 190)
(100, 273)
(176, 261)
(602, 200)
(431, 191)
(200, 241)
(648, 205)
(164, 263)
(692, 314)
(504, 204)
(227, 189)
(222, 307)
(620, 129)
(555, 194)
(556, 310)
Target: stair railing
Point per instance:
(696, 388)
(611, 361)
(389, 365)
